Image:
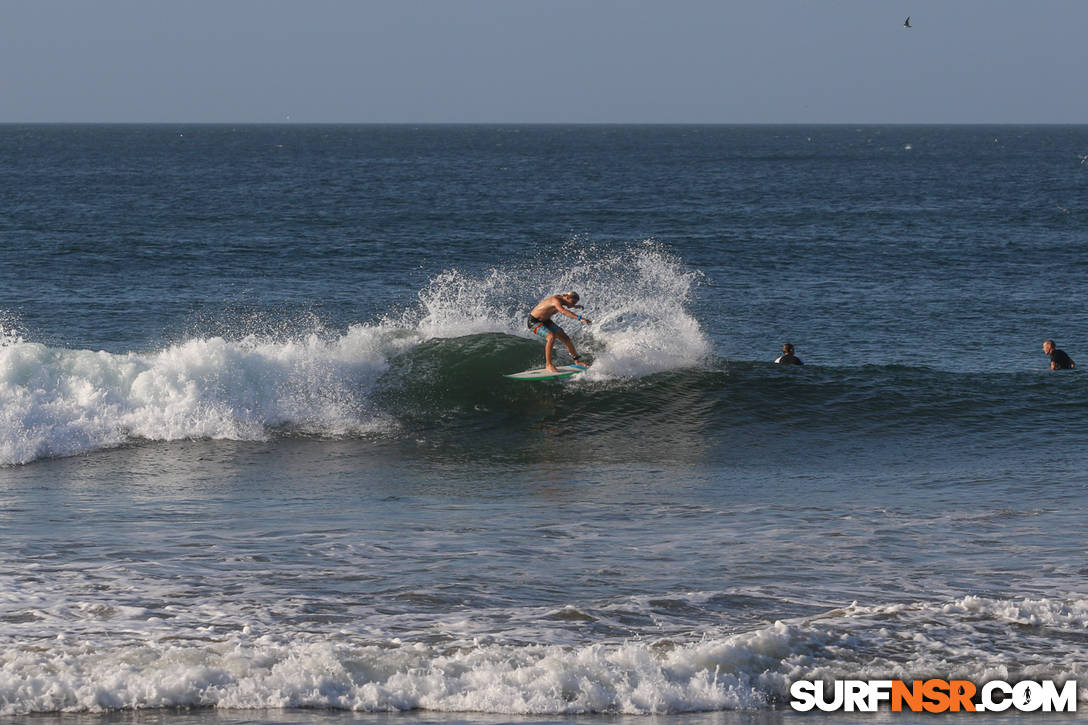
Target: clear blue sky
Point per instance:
(560, 61)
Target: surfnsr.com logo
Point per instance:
(934, 695)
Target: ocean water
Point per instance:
(258, 462)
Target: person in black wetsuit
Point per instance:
(788, 357)
(1058, 359)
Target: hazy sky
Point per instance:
(700, 61)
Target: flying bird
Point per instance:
(906, 23)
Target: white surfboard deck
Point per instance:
(565, 371)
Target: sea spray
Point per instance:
(10, 333)
(637, 295)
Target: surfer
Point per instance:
(540, 319)
(788, 357)
(1058, 359)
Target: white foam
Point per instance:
(1033, 612)
(269, 673)
(56, 402)
(723, 671)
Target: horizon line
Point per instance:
(544, 123)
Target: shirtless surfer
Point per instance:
(540, 319)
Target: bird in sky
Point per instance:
(906, 23)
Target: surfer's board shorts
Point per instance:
(542, 327)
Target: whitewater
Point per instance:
(143, 664)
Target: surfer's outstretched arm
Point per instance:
(575, 315)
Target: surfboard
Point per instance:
(565, 371)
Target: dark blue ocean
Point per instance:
(258, 462)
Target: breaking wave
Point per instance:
(56, 401)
